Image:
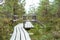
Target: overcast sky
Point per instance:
(34, 3)
(30, 3)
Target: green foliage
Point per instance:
(6, 15)
(48, 14)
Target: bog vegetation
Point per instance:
(47, 12)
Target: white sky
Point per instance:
(34, 3)
(30, 3)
